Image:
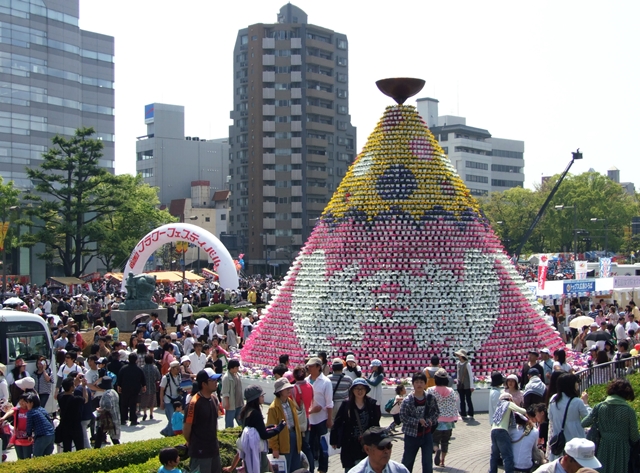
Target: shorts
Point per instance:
(441, 438)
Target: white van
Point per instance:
(26, 336)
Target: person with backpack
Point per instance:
(393, 406)
(430, 371)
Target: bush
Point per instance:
(216, 308)
(134, 455)
(598, 393)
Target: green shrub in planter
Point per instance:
(598, 393)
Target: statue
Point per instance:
(140, 288)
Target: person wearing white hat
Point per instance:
(547, 364)
(375, 379)
(464, 382)
(170, 392)
(353, 370)
(289, 441)
(578, 453)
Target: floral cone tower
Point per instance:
(402, 266)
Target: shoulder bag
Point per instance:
(335, 388)
(301, 411)
(557, 442)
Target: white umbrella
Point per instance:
(14, 301)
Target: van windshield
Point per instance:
(26, 340)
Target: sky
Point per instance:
(557, 75)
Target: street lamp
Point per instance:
(5, 231)
(575, 225)
(606, 233)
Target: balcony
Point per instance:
(268, 207)
(317, 142)
(268, 60)
(316, 190)
(315, 207)
(296, 175)
(328, 112)
(320, 127)
(269, 223)
(268, 110)
(268, 142)
(268, 76)
(314, 76)
(269, 191)
(317, 175)
(296, 126)
(296, 142)
(271, 240)
(296, 43)
(296, 191)
(314, 43)
(296, 93)
(268, 93)
(268, 158)
(296, 110)
(473, 144)
(296, 76)
(321, 94)
(268, 125)
(268, 175)
(317, 158)
(296, 207)
(268, 43)
(296, 158)
(296, 223)
(296, 240)
(320, 61)
(296, 60)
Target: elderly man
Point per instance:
(320, 412)
(578, 453)
(377, 444)
(532, 363)
(535, 390)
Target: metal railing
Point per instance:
(605, 372)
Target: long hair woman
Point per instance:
(567, 399)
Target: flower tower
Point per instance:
(401, 266)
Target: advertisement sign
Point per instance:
(581, 269)
(576, 287)
(626, 281)
(543, 267)
(605, 267)
(149, 113)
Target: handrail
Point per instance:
(605, 372)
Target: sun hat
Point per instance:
(337, 362)
(173, 335)
(174, 363)
(106, 383)
(441, 373)
(583, 451)
(314, 361)
(462, 353)
(351, 358)
(153, 346)
(360, 382)
(281, 384)
(514, 377)
(26, 383)
(253, 392)
(497, 379)
(185, 358)
(376, 363)
(123, 355)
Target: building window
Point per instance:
(342, 109)
(244, 39)
(342, 61)
(342, 93)
(146, 172)
(476, 165)
(208, 219)
(504, 168)
(342, 125)
(474, 178)
(341, 77)
(507, 154)
(444, 136)
(506, 183)
(342, 44)
(144, 155)
(478, 192)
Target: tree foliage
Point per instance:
(136, 215)
(70, 196)
(593, 196)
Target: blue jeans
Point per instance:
(23, 451)
(501, 447)
(229, 416)
(306, 448)
(43, 445)
(317, 431)
(168, 411)
(411, 447)
(293, 457)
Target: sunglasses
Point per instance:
(386, 447)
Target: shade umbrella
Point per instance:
(9, 294)
(599, 335)
(581, 321)
(169, 300)
(14, 301)
(140, 318)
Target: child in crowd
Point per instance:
(169, 458)
(177, 419)
(401, 393)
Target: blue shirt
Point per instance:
(164, 469)
(38, 423)
(177, 420)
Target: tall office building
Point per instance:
(55, 78)
(169, 160)
(291, 139)
(486, 164)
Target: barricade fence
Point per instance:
(605, 372)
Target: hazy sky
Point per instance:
(558, 75)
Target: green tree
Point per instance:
(67, 201)
(136, 215)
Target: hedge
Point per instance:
(598, 393)
(114, 457)
(150, 466)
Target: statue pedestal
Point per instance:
(124, 317)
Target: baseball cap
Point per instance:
(533, 372)
(205, 375)
(377, 436)
(545, 350)
(174, 363)
(337, 362)
(582, 451)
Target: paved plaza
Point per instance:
(468, 451)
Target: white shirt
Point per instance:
(37, 311)
(47, 307)
(522, 447)
(322, 396)
(202, 325)
(187, 345)
(186, 309)
(621, 332)
(631, 326)
(179, 297)
(197, 362)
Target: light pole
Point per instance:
(575, 227)
(606, 233)
(5, 232)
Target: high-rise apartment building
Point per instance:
(486, 164)
(291, 138)
(171, 161)
(54, 79)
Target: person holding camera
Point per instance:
(43, 379)
(170, 392)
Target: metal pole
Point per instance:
(606, 236)
(575, 232)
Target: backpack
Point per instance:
(389, 405)
(431, 381)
